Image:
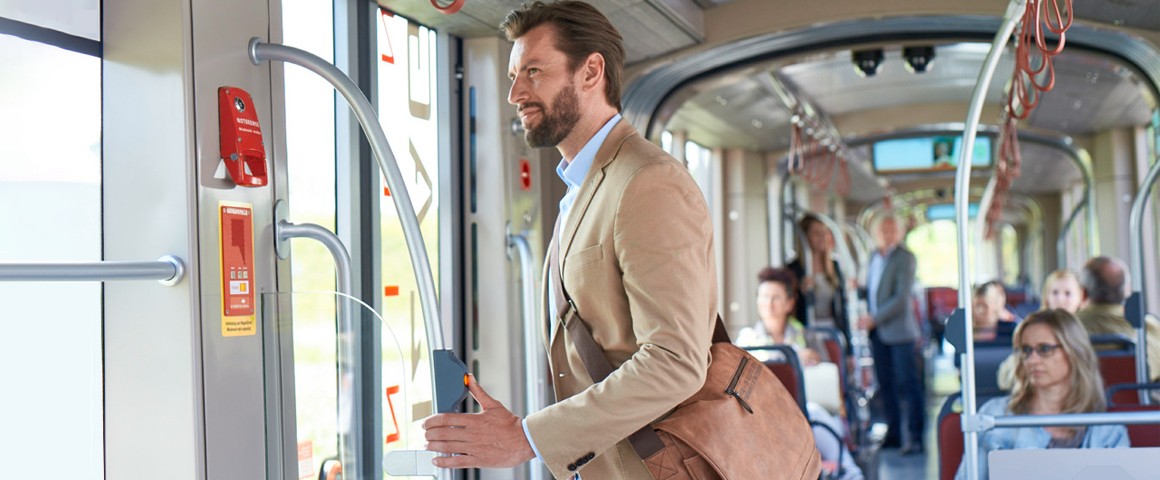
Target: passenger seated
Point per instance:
(988, 323)
(776, 291)
(1056, 374)
(996, 295)
(777, 326)
(1106, 284)
(1061, 290)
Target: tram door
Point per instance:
(364, 391)
(510, 201)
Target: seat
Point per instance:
(784, 363)
(1125, 398)
(940, 303)
(834, 343)
(1119, 370)
(1141, 435)
(950, 438)
(988, 357)
(950, 434)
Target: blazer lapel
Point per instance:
(545, 293)
(604, 156)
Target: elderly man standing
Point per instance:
(893, 335)
(1106, 284)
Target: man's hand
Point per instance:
(866, 322)
(493, 438)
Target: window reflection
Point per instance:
(50, 210)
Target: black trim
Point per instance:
(370, 330)
(48, 36)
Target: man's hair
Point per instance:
(1104, 279)
(784, 276)
(580, 31)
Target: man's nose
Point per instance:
(517, 93)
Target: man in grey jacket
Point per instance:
(893, 336)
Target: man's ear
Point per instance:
(592, 72)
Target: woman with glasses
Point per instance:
(1056, 373)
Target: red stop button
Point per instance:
(525, 174)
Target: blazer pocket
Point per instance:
(584, 257)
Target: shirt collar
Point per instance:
(573, 172)
(888, 252)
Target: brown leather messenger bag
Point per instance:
(742, 424)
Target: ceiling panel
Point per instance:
(81, 18)
(835, 85)
(647, 32)
(1132, 13)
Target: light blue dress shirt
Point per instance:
(573, 173)
(874, 278)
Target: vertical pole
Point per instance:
(962, 202)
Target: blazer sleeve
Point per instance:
(662, 239)
(894, 308)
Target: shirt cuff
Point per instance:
(524, 423)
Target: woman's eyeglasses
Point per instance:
(1044, 350)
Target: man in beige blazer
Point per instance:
(636, 257)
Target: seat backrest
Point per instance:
(835, 344)
(1118, 370)
(950, 445)
(940, 303)
(950, 439)
(784, 363)
(1141, 435)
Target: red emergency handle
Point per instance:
(241, 138)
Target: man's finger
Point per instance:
(481, 397)
(447, 447)
(446, 420)
(457, 461)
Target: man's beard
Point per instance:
(557, 123)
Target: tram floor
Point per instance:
(942, 379)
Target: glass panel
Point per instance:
(50, 210)
(310, 148)
(409, 113)
(700, 160)
(81, 18)
(323, 378)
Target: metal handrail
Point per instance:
(535, 363)
(448, 382)
(167, 270)
(365, 113)
(1136, 257)
(988, 422)
(349, 349)
(1011, 19)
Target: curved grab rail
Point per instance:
(349, 352)
(1011, 19)
(365, 113)
(1136, 256)
(448, 372)
(167, 270)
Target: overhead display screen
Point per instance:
(923, 154)
(946, 211)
